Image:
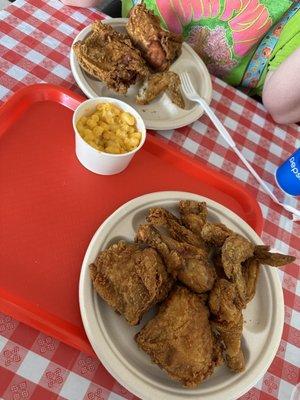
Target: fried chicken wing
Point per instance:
(215, 233)
(228, 322)
(193, 215)
(158, 83)
(235, 250)
(251, 266)
(158, 46)
(129, 279)
(161, 217)
(110, 57)
(250, 270)
(180, 339)
(264, 256)
(189, 264)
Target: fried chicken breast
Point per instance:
(110, 57)
(180, 339)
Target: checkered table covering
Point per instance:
(35, 39)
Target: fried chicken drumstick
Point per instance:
(228, 322)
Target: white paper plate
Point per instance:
(113, 339)
(160, 114)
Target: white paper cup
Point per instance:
(98, 161)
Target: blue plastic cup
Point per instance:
(288, 175)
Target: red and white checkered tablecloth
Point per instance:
(35, 39)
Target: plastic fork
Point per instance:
(191, 94)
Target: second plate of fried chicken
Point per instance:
(116, 58)
(174, 297)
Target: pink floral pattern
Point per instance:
(54, 377)
(46, 344)
(19, 391)
(247, 20)
(271, 384)
(12, 356)
(213, 48)
(87, 365)
(6, 323)
(97, 395)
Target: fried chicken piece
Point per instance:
(158, 83)
(215, 233)
(218, 265)
(228, 322)
(161, 217)
(180, 339)
(158, 46)
(264, 256)
(251, 266)
(250, 269)
(110, 57)
(235, 250)
(193, 215)
(129, 279)
(189, 264)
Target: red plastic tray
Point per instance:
(51, 205)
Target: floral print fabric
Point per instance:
(222, 32)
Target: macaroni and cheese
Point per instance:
(110, 129)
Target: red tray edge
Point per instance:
(45, 91)
(32, 315)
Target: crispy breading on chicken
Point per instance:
(110, 57)
(161, 217)
(180, 339)
(265, 256)
(129, 279)
(193, 215)
(250, 270)
(251, 267)
(215, 233)
(158, 46)
(228, 322)
(189, 264)
(235, 250)
(158, 83)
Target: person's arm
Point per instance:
(281, 92)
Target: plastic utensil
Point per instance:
(191, 94)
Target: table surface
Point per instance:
(35, 40)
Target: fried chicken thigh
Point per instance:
(110, 56)
(130, 280)
(158, 46)
(180, 339)
(189, 264)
